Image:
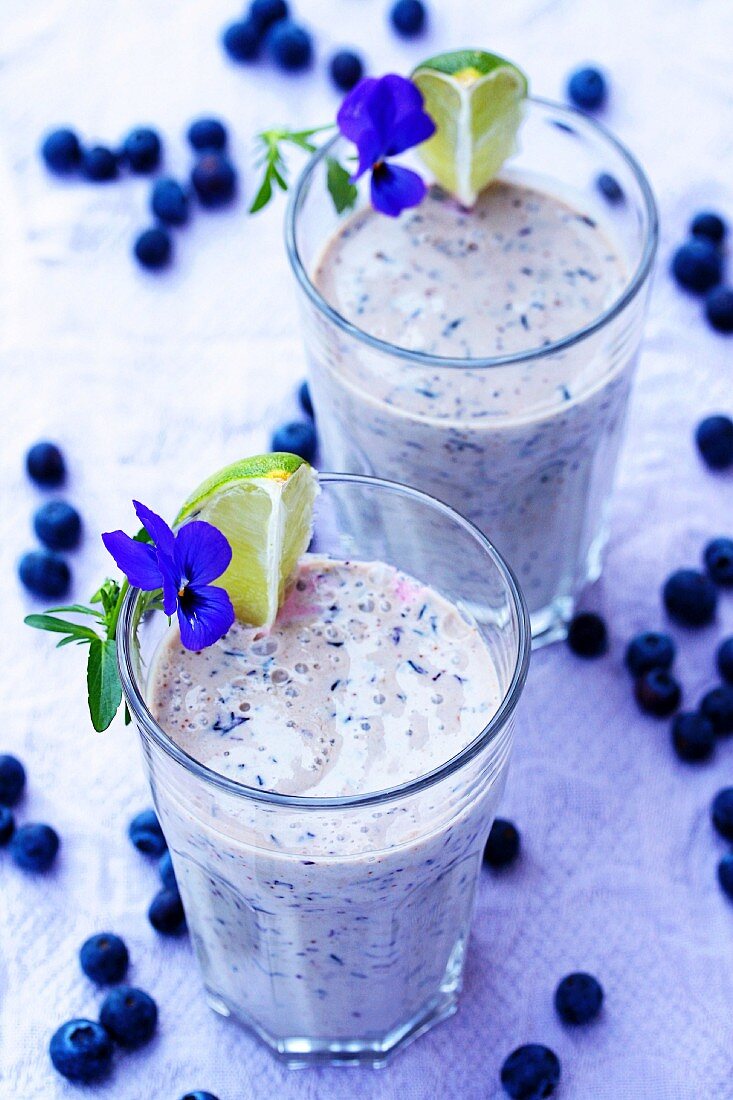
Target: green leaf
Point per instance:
(77, 608)
(61, 626)
(128, 716)
(263, 196)
(342, 190)
(103, 682)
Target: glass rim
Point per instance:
(146, 722)
(631, 288)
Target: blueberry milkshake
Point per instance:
(333, 926)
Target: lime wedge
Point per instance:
(264, 507)
(476, 100)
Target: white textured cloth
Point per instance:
(150, 382)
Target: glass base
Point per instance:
(550, 624)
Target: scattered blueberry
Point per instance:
(291, 46)
(214, 180)
(169, 202)
(34, 847)
(724, 661)
(61, 151)
(146, 834)
(346, 69)
(530, 1072)
(142, 150)
(719, 308)
(242, 40)
(57, 525)
(708, 225)
(99, 164)
(7, 825)
(44, 574)
(657, 692)
(690, 597)
(610, 188)
(693, 736)
(717, 706)
(725, 874)
(166, 912)
(45, 464)
(578, 998)
(304, 398)
(714, 438)
(649, 650)
(264, 13)
(587, 88)
(166, 872)
(130, 1016)
(153, 248)
(503, 844)
(587, 635)
(81, 1050)
(205, 134)
(12, 780)
(408, 17)
(722, 812)
(697, 266)
(718, 557)
(104, 958)
(297, 437)
(199, 1095)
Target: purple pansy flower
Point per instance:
(183, 565)
(384, 117)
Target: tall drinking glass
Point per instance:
(524, 444)
(336, 928)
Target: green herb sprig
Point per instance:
(272, 159)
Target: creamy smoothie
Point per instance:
(525, 450)
(325, 924)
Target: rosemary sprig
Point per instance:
(272, 159)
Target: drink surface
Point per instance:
(368, 679)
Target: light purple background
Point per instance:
(151, 382)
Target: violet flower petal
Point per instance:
(202, 553)
(204, 615)
(137, 560)
(156, 527)
(394, 189)
(352, 118)
(406, 96)
(412, 129)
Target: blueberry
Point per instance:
(291, 46)
(104, 958)
(153, 248)
(34, 847)
(146, 834)
(61, 151)
(725, 875)
(697, 266)
(657, 692)
(304, 399)
(719, 308)
(717, 706)
(587, 88)
(503, 844)
(169, 202)
(714, 438)
(721, 812)
(214, 180)
(610, 188)
(44, 574)
(57, 525)
(408, 17)
(298, 437)
(693, 736)
(690, 597)
(142, 149)
(578, 998)
(45, 464)
(12, 780)
(718, 557)
(724, 660)
(242, 40)
(81, 1050)
(708, 225)
(7, 825)
(166, 872)
(99, 164)
(530, 1072)
(346, 69)
(649, 650)
(166, 912)
(587, 635)
(264, 13)
(199, 1095)
(130, 1016)
(207, 133)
